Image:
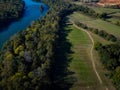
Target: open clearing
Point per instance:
(81, 63)
(96, 23)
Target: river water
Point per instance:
(32, 13)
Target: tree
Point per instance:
(116, 77)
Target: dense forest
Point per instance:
(10, 10)
(26, 60)
(110, 57)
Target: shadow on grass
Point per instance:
(62, 77)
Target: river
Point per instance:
(32, 13)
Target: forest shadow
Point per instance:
(62, 77)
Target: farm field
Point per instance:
(114, 17)
(105, 10)
(99, 39)
(96, 23)
(98, 9)
(81, 63)
(113, 13)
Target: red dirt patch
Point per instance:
(109, 2)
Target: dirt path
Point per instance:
(91, 53)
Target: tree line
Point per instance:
(26, 59)
(110, 57)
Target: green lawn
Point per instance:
(81, 62)
(96, 23)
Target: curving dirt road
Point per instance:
(91, 53)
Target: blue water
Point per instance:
(32, 13)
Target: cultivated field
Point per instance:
(114, 17)
(113, 13)
(96, 23)
(104, 10)
(99, 39)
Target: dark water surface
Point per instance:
(32, 13)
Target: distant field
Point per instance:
(99, 9)
(109, 11)
(115, 17)
(112, 12)
(104, 10)
(117, 14)
(113, 20)
(97, 23)
(99, 39)
(81, 63)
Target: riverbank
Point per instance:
(28, 17)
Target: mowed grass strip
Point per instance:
(81, 62)
(96, 23)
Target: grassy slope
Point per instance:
(96, 23)
(81, 63)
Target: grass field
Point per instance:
(99, 39)
(115, 17)
(113, 13)
(98, 9)
(96, 23)
(104, 10)
(81, 62)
